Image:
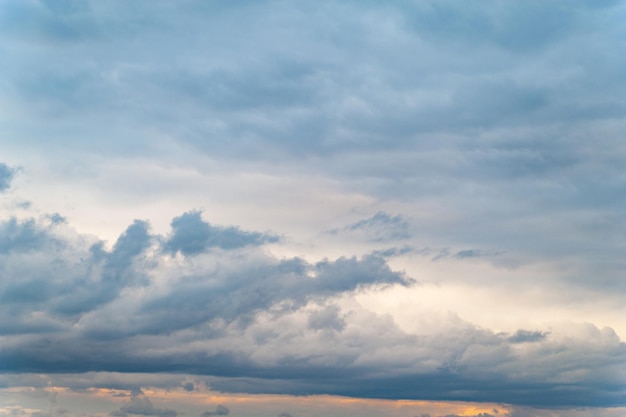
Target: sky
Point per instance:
(312, 208)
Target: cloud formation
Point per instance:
(191, 235)
(487, 137)
(6, 175)
(379, 228)
(259, 324)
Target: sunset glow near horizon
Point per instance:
(312, 208)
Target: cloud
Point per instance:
(253, 323)
(141, 405)
(474, 253)
(454, 123)
(380, 227)
(394, 251)
(23, 236)
(327, 318)
(526, 336)
(91, 292)
(220, 410)
(191, 235)
(6, 175)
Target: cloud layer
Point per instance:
(419, 200)
(266, 325)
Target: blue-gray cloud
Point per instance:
(252, 323)
(525, 336)
(380, 227)
(494, 124)
(16, 236)
(439, 105)
(6, 175)
(327, 318)
(192, 235)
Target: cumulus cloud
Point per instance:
(191, 235)
(84, 294)
(255, 323)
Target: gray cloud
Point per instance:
(327, 318)
(380, 227)
(191, 235)
(220, 410)
(141, 405)
(253, 323)
(526, 336)
(488, 125)
(394, 251)
(448, 105)
(23, 236)
(6, 175)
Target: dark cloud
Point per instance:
(423, 115)
(527, 336)
(191, 235)
(284, 415)
(236, 295)
(23, 236)
(220, 410)
(6, 175)
(254, 323)
(88, 284)
(327, 318)
(62, 277)
(496, 125)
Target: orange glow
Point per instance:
(202, 398)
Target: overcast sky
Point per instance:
(312, 208)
